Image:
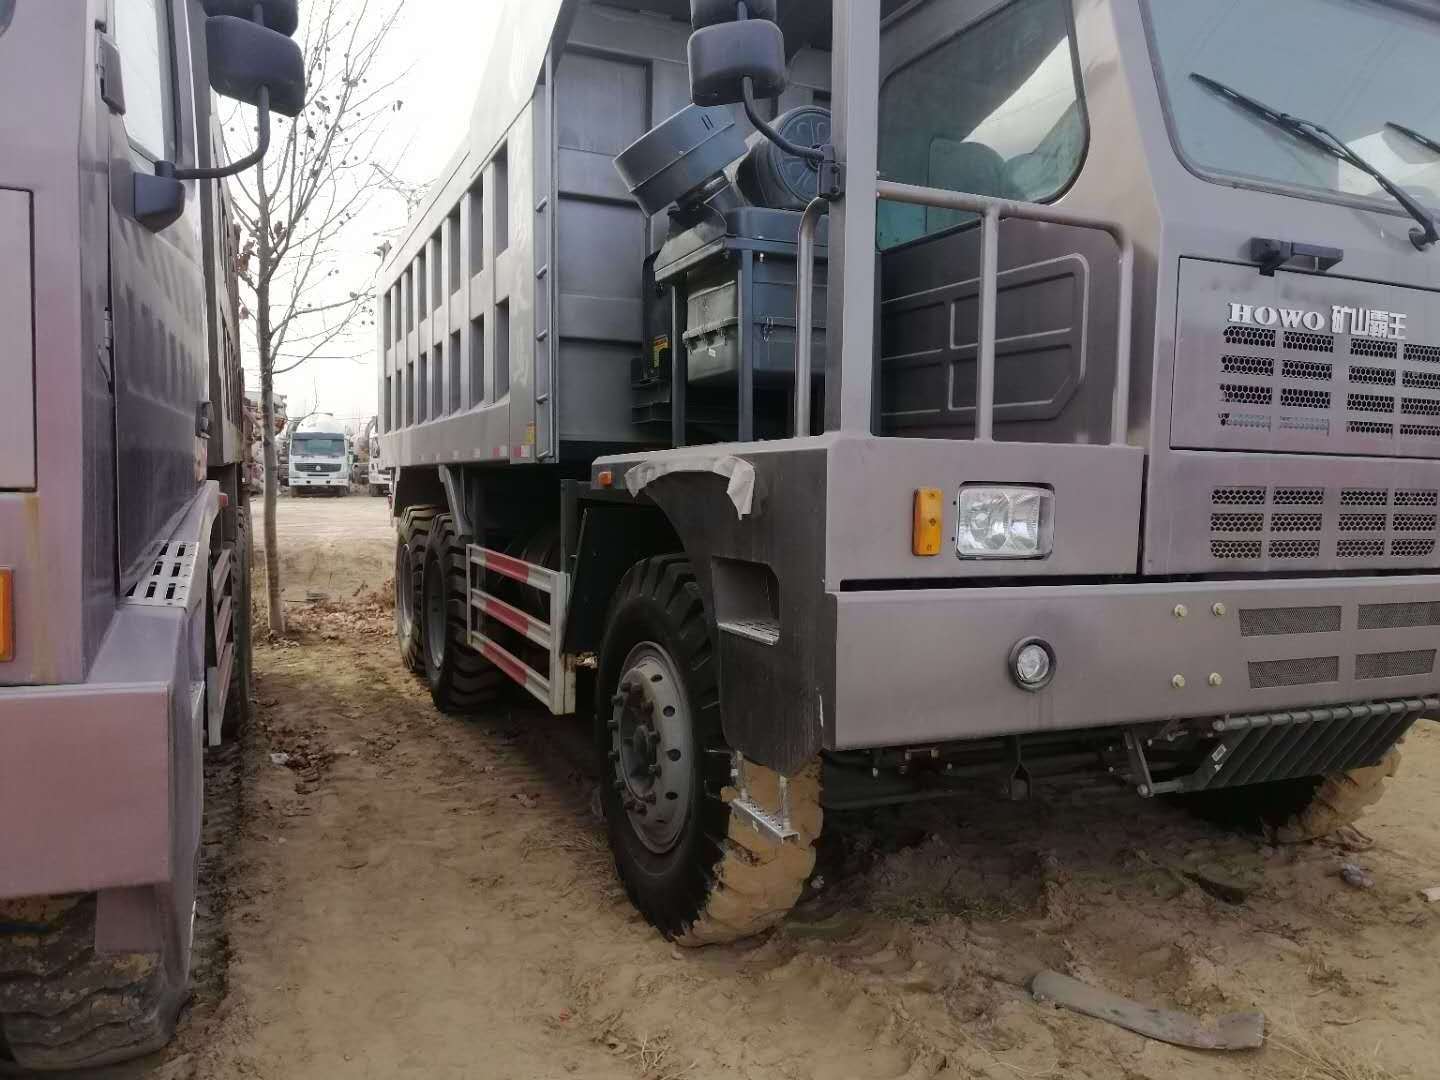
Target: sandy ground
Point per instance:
(331, 548)
(412, 894)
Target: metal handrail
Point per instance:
(992, 211)
(804, 304)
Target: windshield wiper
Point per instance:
(1328, 142)
(1414, 136)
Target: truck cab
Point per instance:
(319, 460)
(123, 523)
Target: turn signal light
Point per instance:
(7, 615)
(929, 519)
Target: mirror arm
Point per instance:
(168, 169)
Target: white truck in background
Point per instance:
(319, 457)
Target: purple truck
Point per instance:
(124, 554)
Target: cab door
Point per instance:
(157, 291)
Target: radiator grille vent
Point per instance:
(1250, 335)
(1273, 385)
(1372, 347)
(1248, 365)
(1376, 376)
(1338, 526)
(1266, 622)
(1309, 342)
(1396, 616)
(1394, 665)
(1304, 672)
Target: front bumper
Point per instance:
(320, 481)
(85, 788)
(932, 665)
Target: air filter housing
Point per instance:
(680, 157)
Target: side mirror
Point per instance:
(246, 59)
(282, 16)
(724, 56)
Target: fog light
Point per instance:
(1032, 664)
(995, 522)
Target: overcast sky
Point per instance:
(444, 44)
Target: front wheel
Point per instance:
(696, 870)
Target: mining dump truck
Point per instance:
(857, 403)
(124, 550)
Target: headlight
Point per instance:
(1004, 522)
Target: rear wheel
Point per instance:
(693, 868)
(461, 680)
(64, 1006)
(411, 542)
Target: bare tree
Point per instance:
(297, 207)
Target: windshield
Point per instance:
(1349, 65)
(319, 446)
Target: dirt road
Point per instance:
(421, 895)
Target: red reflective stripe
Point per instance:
(504, 613)
(511, 568)
(505, 662)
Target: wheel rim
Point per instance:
(435, 628)
(404, 592)
(651, 746)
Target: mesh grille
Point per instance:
(1364, 497)
(1294, 549)
(1429, 354)
(1306, 369)
(1245, 394)
(1369, 427)
(1293, 398)
(1378, 376)
(1394, 665)
(1235, 549)
(1366, 548)
(1248, 365)
(1362, 522)
(1420, 406)
(1299, 496)
(1265, 622)
(1250, 335)
(1414, 523)
(1422, 380)
(1305, 423)
(1412, 549)
(1245, 420)
(1426, 430)
(1396, 616)
(1238, 496)
(1417, 498)
(1371, 347)
(1296, 522)
(1370, 403)
(1308, 342)
(1244, 523)
(1314, 669)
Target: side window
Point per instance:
(142, 33)
(995, 110)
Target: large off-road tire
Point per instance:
(700, 873)
(1336, 801)
(460, 679)
(63, 1006)
(1295, 811)
(412, 538)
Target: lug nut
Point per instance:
(1216, 679)
(1181, 611)
(1178, 682)
(1219, 611)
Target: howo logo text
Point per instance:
(1359, 322)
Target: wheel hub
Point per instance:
(651, 746)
